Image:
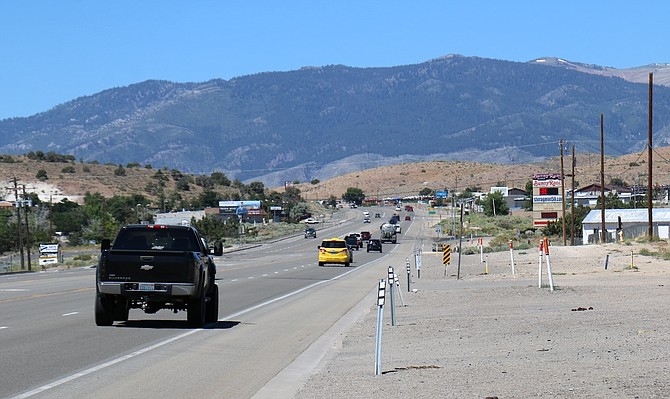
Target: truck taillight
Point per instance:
(102, 265)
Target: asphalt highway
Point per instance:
(274, 302)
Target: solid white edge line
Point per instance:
(142, 351)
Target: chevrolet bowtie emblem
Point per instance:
(146, 267)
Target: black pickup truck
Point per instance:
(153, 267)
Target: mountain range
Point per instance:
(321, 122)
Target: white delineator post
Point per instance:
(391, 283)
(511, 254)
(546, 252)
(381, 296)
(539, 265)
(480, 242)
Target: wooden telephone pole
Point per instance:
(650, 186)
(25, 209)
(18, 222)
(572, 199)
(562, 192)
(603, 232)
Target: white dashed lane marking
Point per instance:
(276, 272)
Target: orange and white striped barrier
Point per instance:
(544, 250)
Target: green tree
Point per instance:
(182, 184)
(214, 229)
(297, 211)
(427, 191)
(68, 216)
(291, 196)
(160, 176)
(8, 229)
(528, 203)
(220, 178)
(494, 204)
(332, 201)
(354, 194)
(204, 181)
(556, 228)
(612, 201)
(208, 198)
(254, 191)
(41, 175)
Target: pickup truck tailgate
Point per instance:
(147, 266)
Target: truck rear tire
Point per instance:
(212, 311)
(104, 308)
(121, 309)
(195, 314)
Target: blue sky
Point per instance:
(52, 52)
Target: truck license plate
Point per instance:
(147, 287)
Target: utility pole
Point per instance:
(603, 232)
(650, 186)
(51, 224)
(18, 222)
(102, 225)
(25, 208)
(562, 192)
(572, 199)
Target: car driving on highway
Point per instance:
(310, 233)
(335, 250)
(352, 242)
(374, 245)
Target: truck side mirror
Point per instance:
(105, 245)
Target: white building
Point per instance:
(633, 223)
(179, 218)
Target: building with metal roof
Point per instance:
(625, 223)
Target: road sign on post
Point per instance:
(446, 257)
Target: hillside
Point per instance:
(394, 180)
(410, 178)
(87, 177)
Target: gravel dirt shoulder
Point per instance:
(600, 333)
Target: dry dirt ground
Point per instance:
(601, 333)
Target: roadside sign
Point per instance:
(446, 255)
